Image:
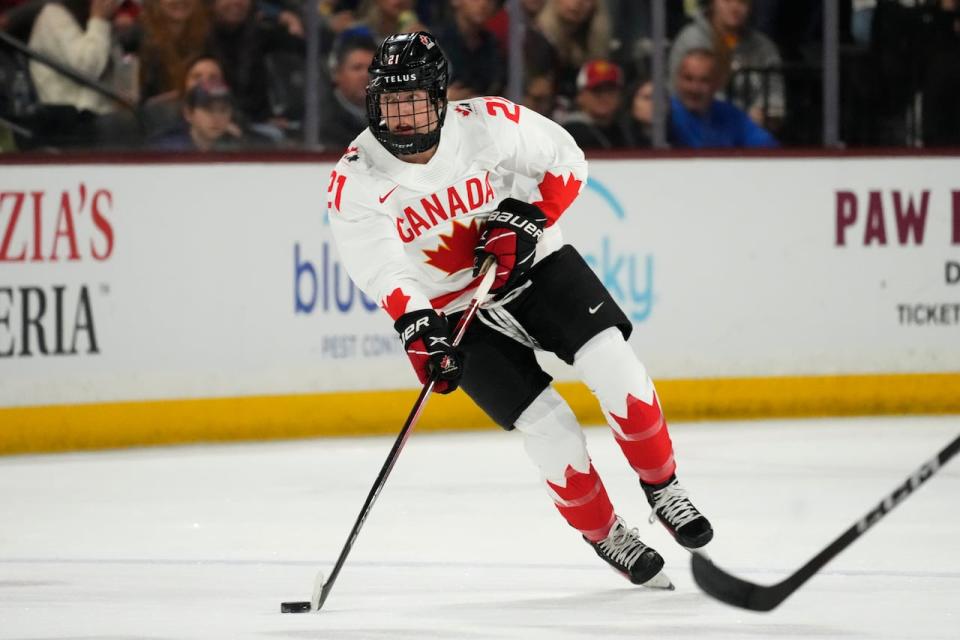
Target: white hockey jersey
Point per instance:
(406, 232)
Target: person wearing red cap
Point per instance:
(598, 123)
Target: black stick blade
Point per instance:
(732, 590)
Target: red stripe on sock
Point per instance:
(647, 444)
(584, 503)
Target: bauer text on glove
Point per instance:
(510, 235)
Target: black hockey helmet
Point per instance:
(408, 62)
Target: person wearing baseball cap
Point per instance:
(597, 124)
(208, 112)
(208, 108)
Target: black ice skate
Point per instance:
(624, 551)
(673, 508)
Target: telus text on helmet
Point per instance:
(406, 77)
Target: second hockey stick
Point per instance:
(747, 595)
(322, 587)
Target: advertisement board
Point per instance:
(140, 282)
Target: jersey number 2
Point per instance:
(509, 109)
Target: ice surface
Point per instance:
(206, 541)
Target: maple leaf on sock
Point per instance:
(642, 420)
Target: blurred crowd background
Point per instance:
(185, 75)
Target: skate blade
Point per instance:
(659, 581)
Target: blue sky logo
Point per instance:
(626, 274)
(325, 287)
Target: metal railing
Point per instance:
(22, 123)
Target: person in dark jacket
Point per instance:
(208, 114)
(241, 42)
(599, 123)
(343, 110)
(208, 111)
(476, 66)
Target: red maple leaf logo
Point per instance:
(455, 251)
(557, 193)
(645, 441)
(643, 420)
(395, 304)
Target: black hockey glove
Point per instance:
(510, 235)
(426, 338)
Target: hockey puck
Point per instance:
(294, 607)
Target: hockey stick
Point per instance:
(748, 595)
(321, 588)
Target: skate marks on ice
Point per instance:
(204, 542)
(625, 613)
(570, 603)
(581, 616)
(407, 600)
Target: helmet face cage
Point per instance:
(408, 86)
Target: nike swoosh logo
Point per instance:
(593, 310)
(383, 198)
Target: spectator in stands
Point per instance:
(164, 114)
(641, 114)
(17, 16)
(940, 75)
(343, 111)
(723, 27)
(539, 57)
(698, 119)
(597, 125)
(174, 33)
(76, 33)
(284, 13)
(540, 94)
(337, 15)
(205, 71)
(796, 26)
(384, 17)
(476, 66)
(208, 110)
(579, 30)
(241, 42)
(499, 22)
(6, 5)
(632, 26)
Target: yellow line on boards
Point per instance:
(122, 424)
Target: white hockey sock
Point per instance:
(629, 401)
(554, 441)
(552, 437)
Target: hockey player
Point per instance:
(419, 200)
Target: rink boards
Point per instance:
(147, 303)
